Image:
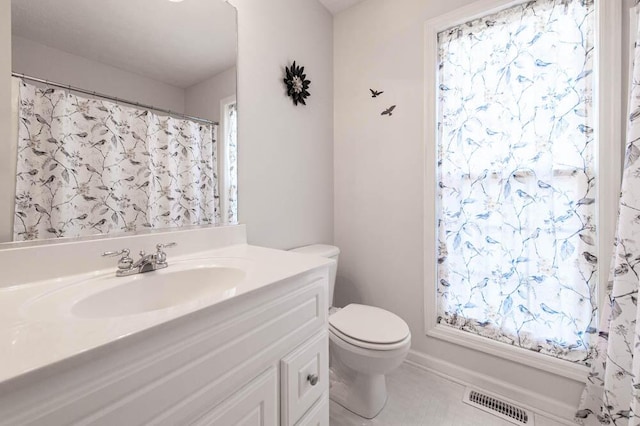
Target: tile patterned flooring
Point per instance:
(420, 398)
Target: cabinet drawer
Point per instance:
(253, 405)
(304, 378)
(318, 415)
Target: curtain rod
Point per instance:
(112, 98)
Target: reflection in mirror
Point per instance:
(124, 116)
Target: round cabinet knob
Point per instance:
(313, 379)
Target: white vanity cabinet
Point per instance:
(260, 358)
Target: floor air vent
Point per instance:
(498, 407)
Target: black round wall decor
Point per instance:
(297, 83)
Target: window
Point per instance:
(517, 203)
(229, 160)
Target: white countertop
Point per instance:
(33, 335)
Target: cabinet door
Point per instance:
(318, 415)
(256, 404)
(304, 378)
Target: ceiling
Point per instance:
(180, 44)
(336, 6)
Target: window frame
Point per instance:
(607, 99)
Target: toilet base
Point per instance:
(362, 394)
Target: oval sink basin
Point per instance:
(156, 290)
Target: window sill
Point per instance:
(512, 353)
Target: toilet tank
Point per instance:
(324, 250)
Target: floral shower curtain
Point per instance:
(516, 178)
(612, 395)
(90, 166)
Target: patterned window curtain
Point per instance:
(612, 395)
(232, 160)
(89, 166)
(516, 215)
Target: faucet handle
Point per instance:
(159, 247)
(124, 252)
(125, 261)
(161, 256)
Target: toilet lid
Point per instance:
(369, 324)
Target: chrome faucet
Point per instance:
(146, 263)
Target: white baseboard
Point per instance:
(538, 403)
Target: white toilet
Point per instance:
(365, 343)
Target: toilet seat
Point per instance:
(369, 327)
(367, 345)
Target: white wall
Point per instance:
(203, 99)
(285, 152)
(379, 179)
(6, 185)
(626, 7)
(37, 60)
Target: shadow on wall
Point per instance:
(346, 291)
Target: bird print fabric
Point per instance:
(517, 259)
(89, 166)
(612, 394)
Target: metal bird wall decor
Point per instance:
(297, 84)
(388, 111)
(375, 94)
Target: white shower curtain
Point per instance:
(612, 395)
(89, 166)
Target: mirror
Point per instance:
(125, 117)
